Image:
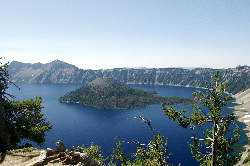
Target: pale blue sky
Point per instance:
(102, 34)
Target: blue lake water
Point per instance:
(76, 124)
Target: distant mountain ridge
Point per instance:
(238, 79)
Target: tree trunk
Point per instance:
(214, 147)
(4, 136)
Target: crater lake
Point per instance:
(76, 124)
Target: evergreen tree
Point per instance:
(19, 120)
(24, 120)
(216, 138)
(4, 135)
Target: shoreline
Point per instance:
(242, 113)
(242, 109)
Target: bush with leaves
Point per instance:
(93, 151)
(216, 138)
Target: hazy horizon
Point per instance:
(135, 67)
(115, 33)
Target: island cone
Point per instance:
(106, 82)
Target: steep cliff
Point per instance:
(238, 79)
(243, 98)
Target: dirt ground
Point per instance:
(24, 159)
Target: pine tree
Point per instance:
(19, 120)
(4, 135)
(221, 152)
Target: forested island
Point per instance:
(108, 93)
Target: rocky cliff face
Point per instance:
(238, 78)
(54, 72)
(243, 98)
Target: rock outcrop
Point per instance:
(63, 156)
(243, 98)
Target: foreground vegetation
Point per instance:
(217, 138)
(19, 120)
